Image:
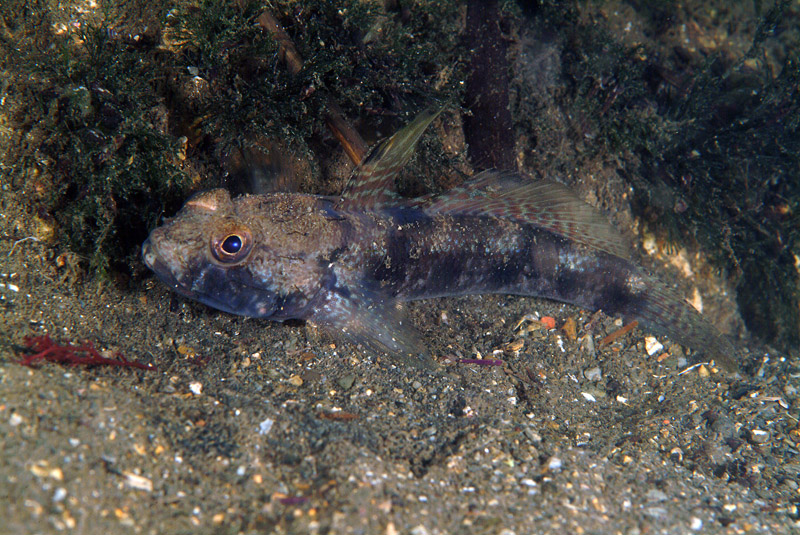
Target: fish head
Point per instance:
(207, 253)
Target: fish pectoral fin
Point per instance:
(375, 322)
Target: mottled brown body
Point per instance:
(345, 262)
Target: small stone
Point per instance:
(196, 388)
(655, 512)
(346, 382)
(295, 380)
(676, 455)
(533, 436)
(588, 344)
(696, 524)
(187, 351)
(570, 329)
(554, 464)
(43, 469)
(593, 374)
(759, 436)
(265, 426)
(655, 495)
(652, 345)
(138, 482)
(59, 494)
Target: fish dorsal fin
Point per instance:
(542, 203)
(373, 181)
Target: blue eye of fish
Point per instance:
(232, 244)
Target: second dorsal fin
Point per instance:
(542, 203)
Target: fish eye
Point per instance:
(231, 246)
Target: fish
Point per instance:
(347, 262)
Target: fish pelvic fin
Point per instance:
(375, 321)
(372, 183)
(545, 204)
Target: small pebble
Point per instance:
(295, 380)
(533, 436)
(265, 426)
(759, 436)
(593, 374)
(43, 469)
(652, 345)
(656, 512)
(138, 482)
(554, 464)
(588, 344)
(570, 329)
(696, 524)
(196, 388)
(346, 382)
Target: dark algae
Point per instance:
(344, 262)
(717, 138)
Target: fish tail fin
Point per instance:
(662, 310)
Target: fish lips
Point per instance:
(152, 259)
(228, 289)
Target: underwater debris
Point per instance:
(44, 349)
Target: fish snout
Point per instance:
(149, 255)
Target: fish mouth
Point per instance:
(152, 259)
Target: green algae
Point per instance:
(126, 107)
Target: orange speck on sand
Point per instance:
(549, 322)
